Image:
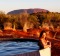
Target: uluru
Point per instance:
(35, 10)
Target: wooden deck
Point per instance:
(43, 52)
(35, 53)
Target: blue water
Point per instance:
(12, 48)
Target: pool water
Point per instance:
(13, 48)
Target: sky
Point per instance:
(9, 5)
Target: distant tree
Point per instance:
(23, 18)
(34, 20)
(2, 16)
